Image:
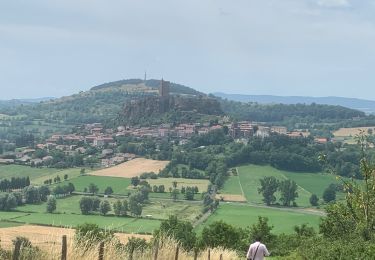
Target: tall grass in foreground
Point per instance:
(114, 250)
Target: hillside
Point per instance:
(367, 106)
(173, 109)
(136, 101)
(153, 84)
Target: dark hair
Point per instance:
(258, 238)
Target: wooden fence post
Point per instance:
(221, 256)
(17, 248)
(131, 253)
(101, 251)
(177, 251)
(195, 254)
(156, 249)
(209, 254)
(63, 248)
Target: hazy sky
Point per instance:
(280, 47)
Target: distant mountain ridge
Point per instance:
(16, 102)
(367, 106)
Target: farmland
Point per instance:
(181, 182)
(249, 176)
(353, 131)
(119, 185)
(37, 175)
(245, 215)
(46, 237)
(132, 168)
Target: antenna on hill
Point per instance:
(145, 77)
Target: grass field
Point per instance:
(132, 168)
(159, 209)
(312, 182)
(251, 174)
(119, 185)
(181, 182)
(244, 215)
(232, 186)
(37, 175)
(6, 224)
(308, 183)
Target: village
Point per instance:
(104, 141)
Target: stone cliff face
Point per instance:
(153, 107)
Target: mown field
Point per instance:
(181, 182)
(37, 175)
(68, 214)
(119, 185)
(246, 215)
(250, 175)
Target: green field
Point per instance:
(158, 209)
(245, 215)
(6, 224)
(251, 174)
(312, 182)
(119, 185)
(68, 214)
(232, 186)
(37, 175)
(123, 224)
(308, 183)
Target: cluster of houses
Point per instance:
(103, 139)
(182, 131)
(246, 129)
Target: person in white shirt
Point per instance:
(257, 250)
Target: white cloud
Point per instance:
(334, 3)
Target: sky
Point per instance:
(53, 48)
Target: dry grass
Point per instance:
(112, 251)
(231, 197)
(132, 168)
(48, 237)
(347, 132)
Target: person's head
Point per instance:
(258, 238)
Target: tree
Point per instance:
(135, 207)
(51, 204)
(93, 188)
(174, 194)
(155, 189)
(288, 191)
(221, 234)
(85, 204)
(82, 171)
(329, 193)
(355, 217)
(31, 194)
(120, 208)
(65, 177)
(268, 186)
(104, 207)
(108, 191)
(189, 193)
(181, 231)
(44, 192)
(135, 181)
(262, 229)
(161, 188)
(314, 200)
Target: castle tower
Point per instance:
(164, 88)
